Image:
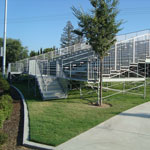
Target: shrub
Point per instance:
(4, 85)
(6, 105)
(3, 138)
(2, 118)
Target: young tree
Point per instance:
(78, 38)
(68, 37)
(100, 28)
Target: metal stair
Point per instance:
(50, 88)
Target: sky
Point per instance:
(39, 23)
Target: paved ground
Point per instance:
(128, 131)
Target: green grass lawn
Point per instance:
(54, 122)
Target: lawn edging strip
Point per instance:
(26, 131)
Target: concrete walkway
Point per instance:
(129, 130)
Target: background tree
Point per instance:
(46, 50)
(100, 28)
(14, 50)
(67, 37)
(38, 53)
(41, 51)
(33, 53)
(24, 53)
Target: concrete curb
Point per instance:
(26, 131)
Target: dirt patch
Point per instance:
(104, 105)
(13, 127)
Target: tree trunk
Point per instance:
(100, 102)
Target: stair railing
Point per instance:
(61, 78)
(41, 73)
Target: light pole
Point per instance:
(4, 42)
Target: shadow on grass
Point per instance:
(71, 101)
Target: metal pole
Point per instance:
(4, 42)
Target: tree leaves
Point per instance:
(99, 26)
(68, 37)
(14, 50)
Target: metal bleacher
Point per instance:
(79, 62)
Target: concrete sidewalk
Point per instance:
(129, 130)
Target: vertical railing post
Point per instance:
(145, 69)
(137, 70)
(47, 68)
(110, 63)
(145, 89)
(98, 92)
(62, 68)
(133, 50)
(70, 69)
(57, 68)
(88, 70)
(115, 56)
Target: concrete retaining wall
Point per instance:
(26, 140)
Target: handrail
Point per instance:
(44, 82)
(137, 33)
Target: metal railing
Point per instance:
(131, 35)
(121, 54)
